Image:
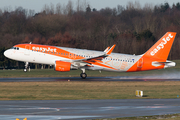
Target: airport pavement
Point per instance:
(120, 78)
(86, 109)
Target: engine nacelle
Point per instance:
(62, 66)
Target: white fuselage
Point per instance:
(120, 62)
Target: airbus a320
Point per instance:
(65, 59)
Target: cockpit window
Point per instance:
(15, 48)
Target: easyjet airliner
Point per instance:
(65, 59)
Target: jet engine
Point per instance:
(62, 66)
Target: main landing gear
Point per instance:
(26, 66)
(83, 74)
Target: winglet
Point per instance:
(106, 49)
(110, 50)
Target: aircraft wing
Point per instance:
(85, 62)
(107, 52)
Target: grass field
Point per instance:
(86, 90)
(161, 117)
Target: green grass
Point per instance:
(86, 90)
(161, 117)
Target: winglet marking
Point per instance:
(110, 50)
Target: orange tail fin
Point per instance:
(162, 47)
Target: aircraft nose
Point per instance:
(7, 53)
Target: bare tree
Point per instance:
(31, 13)
(46, 9)
(120, 9)
(148, 7)
(58, 9)
(52, 8)
(69, 7)
(78, 6)
(7, 9)
(81, 5)
(136, 5)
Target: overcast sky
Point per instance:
(37, 5)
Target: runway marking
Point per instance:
(41, 108)
(42, 117)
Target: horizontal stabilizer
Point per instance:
(166, 64)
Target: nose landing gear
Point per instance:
(26, 66)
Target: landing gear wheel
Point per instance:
(83, 75)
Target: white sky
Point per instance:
(37, 5)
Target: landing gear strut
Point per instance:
(83, 74)
(26, 66)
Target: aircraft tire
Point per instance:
(83, 75)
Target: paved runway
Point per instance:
(86, 109)
(131, 78)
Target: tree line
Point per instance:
(133, 28)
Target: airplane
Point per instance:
(65, 59)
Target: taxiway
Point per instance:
(86, 109)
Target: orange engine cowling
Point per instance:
(62, 66)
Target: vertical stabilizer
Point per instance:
(162, 47)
